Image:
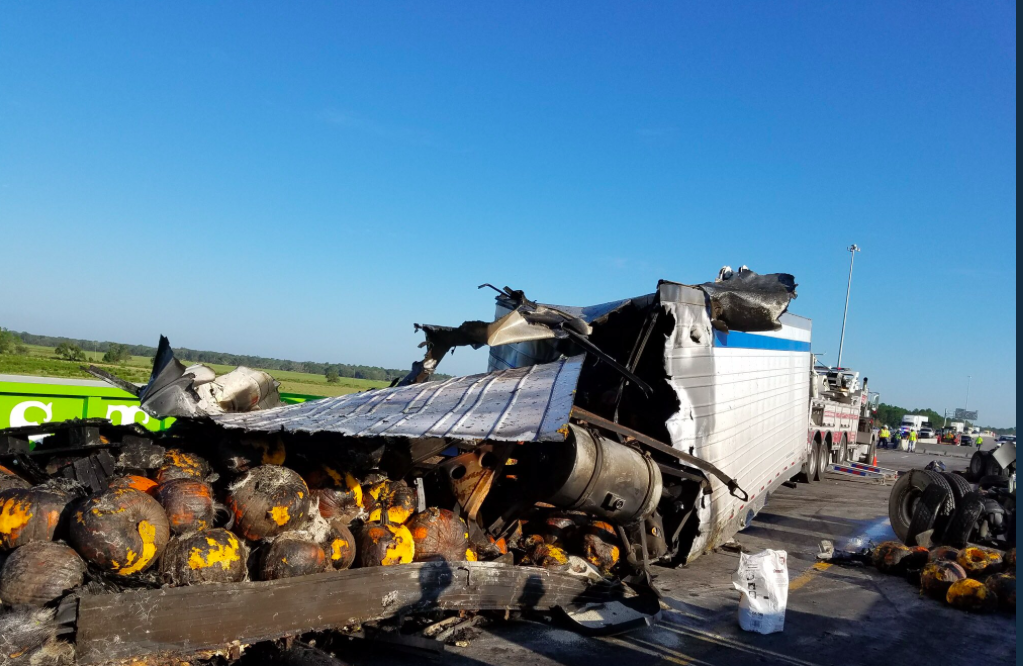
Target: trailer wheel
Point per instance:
(843, 451)
(806, 470)
(925, 515)
(964, 520)
(906, 494)
(811, 464)
(823, 460)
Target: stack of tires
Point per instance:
(930, 507)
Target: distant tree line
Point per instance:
(115, 352)
(892, 416)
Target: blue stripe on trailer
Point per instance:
(740, 340)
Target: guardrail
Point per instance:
(37, 400)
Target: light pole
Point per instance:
(853, 249)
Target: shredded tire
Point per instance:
(964, 520)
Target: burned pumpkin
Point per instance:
(268, 501)
(946, 553)
(971, 595)
(545, 555)
(439, 535)
(122, 530)
(188, 504)
(395, 497)
(292, 555)
(178, 464)
(938, 576)
(600, 545)
(385, 545)
(141, 483)
(339, 494)
(40, 572)
(1003, 586)
(9, 479)
(888, 557)
(339, 546)
(212, 556)
(29, 514)
(979, 562)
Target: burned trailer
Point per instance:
(711, 383)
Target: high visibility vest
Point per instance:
(912, 435)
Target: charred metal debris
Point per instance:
(397, 514)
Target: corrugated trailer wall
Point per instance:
(37, 400)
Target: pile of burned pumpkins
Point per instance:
(163, 528)
(179, 524)
(973, 579)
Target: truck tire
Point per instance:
(925, 516)
(976, 469)
(806, 471)
(964, 520)
(906, 494)
(814, 462)
(960, 486)
(991, 466)
(823, 460)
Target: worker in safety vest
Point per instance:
(885, 435)
(980, 440)
(912, 440)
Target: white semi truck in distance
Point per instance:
(914, 421)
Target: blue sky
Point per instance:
(307, 180)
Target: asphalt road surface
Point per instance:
(836, 614)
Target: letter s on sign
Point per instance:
(18, 413)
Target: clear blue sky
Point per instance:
(306, 180)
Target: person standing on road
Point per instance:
(912, 441)
(885, 434)
(980, 440)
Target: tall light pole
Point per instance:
(853, 249)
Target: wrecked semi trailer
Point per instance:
(736, 399)
(601, 440)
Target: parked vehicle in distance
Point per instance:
(1007, 438)
(966, 440)
(926, 433)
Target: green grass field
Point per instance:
(42, 362)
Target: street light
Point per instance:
(853, 249)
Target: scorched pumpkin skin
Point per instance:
(29, 514)
(212, 556)
(122, 530)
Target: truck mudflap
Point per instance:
(180, 620)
